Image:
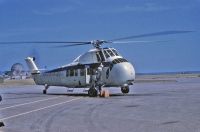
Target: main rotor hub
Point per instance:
(97, 43)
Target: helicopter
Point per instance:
(97, 68)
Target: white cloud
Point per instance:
(147, 7)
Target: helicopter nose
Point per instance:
(123, 73)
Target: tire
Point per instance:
(44, 92)
(125, 90)
(92, 92)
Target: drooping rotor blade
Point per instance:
(98, 43)
(71, 45)
(44, 42)
(127, 42)
(152, 34)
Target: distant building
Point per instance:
(17, 71)
(1, 79)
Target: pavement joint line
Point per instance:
(25, 113)
(28, 103)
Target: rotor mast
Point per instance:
(97, 43)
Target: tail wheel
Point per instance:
(125, 89)
(92, 92)
(45, 90)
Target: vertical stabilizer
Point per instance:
(31, 64)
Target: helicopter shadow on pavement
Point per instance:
(36, 95)
(137, 95)
(111, 95)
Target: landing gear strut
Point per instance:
(125, 89)
(45, 90)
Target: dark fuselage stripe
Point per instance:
(79, 66)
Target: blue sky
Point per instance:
(78, 20)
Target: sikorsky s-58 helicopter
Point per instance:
(97, 68)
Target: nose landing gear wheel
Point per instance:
(125, 90)
(92, 92)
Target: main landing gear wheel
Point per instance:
(125, 89)
(44, 91)
(92, 92)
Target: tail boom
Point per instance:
(32, 66)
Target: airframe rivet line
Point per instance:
(28, 103)
(6, 118)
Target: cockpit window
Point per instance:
(100, 56)
(119, 60)
(122, 60)
(110, 52)
(106, 54)
(115, 52)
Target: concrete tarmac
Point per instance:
(162, 106)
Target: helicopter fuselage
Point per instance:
(103, 67)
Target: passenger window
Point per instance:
(67, 73)
(76, 72)
(71, 72)
(91, 71)
(88, 71)
(82, 72)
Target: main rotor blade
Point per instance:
(71, 45)
(127, 42)
(153, 34)
(44, 42)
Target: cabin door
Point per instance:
(87, 75)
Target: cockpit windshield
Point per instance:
(110, 52)
(115, 52)
(106, 54)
